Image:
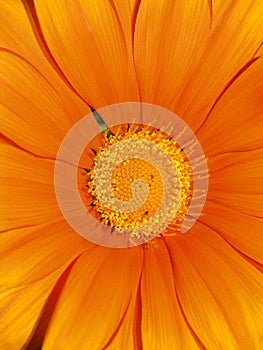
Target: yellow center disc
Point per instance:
(136, 182)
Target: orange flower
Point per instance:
(199, 59)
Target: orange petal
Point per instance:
(246, 203)
(27, 194)
(123, 337)
(28, 254)
(126, 11)
(33, 113)
(235, 123)
(259, 52)
(205, 265)
(242, 231)
(170, 37)
(18, 36)
(6, 141)
(235, 38)
(162, 323)
(198, 303)
(20, 309)
(236, 181)
(100, 289)
(87, 41)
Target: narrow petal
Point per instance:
(87, 42)
(234, 40)
(236, 181)
(30, 254)
(20, 310)
(33, 113)
(234, 284)
(235, 122)
(124, 337)
(18, 36)
(96, 298)
(240, 230)
(170, 37)
(198, 303)
(162, 323)
(27, 193)
(126, 11)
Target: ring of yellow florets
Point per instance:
(139, 172)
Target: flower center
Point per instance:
(139, 180)
(129, 173)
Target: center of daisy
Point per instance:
(129, 173)
(139, 180)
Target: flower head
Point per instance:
(62, 61)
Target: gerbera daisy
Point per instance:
(64, 60)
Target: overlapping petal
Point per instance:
(100, 291)
(242, 231)
(35, 252)
(235, 122)
(168, 43)
(99, 69)
(199, 305)
(234, 41)
(21, 36)
(127, 12)
(236, 181)
(27, 193)
(162, 323)
(21, 308)
(199, 259)
(33, 113)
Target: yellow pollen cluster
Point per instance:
(122, 179)
(136, 182)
